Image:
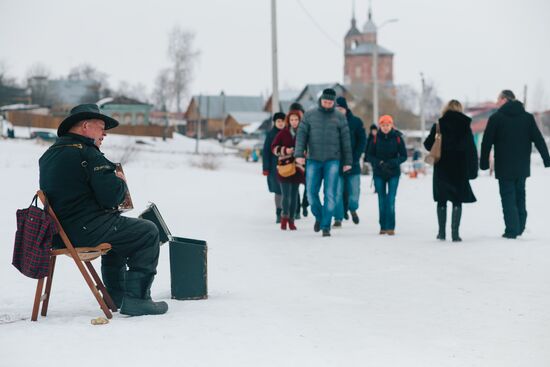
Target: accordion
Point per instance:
(152, 213)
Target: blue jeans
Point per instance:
(347, 191)
(327, 173)
(387, 190)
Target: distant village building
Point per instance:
(212, 111)
(126, 110)
(62, 94)
(10, 95)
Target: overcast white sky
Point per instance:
(471, 49)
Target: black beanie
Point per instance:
(296, 106)
(329, 94)
(341, 102)
(373, 127)
(278, 115)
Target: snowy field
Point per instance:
(292, 298)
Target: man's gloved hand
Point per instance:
(265, 173)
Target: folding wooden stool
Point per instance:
(81, 256)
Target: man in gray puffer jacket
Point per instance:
(324, 135)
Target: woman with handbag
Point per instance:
(289, 174)
(386, 152)
(269, 162)
(456, 163)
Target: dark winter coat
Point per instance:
(269, 162)
(386, 153)
(358, 141)
(324, 134)
(285, 140)
(459, 161)
(82, 188)
(512, 131)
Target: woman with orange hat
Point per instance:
(386, 153)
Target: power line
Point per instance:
(318, 26)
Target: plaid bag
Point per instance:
(33, 241)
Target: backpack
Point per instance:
(33, 241)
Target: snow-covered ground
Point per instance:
(292, 298)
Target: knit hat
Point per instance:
(278, 116)
(296, 106)
(341, 102)
(385, 119)
(373, 127)
(329, 94)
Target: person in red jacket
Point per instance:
(283, 148)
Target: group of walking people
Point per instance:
(324, 145)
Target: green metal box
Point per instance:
(188, 270)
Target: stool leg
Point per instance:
(37, 297)
(48, 292)
(106, 296)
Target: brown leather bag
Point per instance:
(435, 153)
(287, 170)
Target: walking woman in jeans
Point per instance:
(386, 152)
(283, 147)
(458, 165)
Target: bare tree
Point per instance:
(5, 79)
(161, 93)
(38, 70)
(182, 57)
(89, 72)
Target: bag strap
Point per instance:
(34, 201)
(437, 128)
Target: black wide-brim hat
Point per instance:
(87, 111)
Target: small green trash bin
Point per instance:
(188, 270)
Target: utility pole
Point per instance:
(525, 96)
(275, 93)
(422, 102)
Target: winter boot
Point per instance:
(355, 217)
(442, 220)
(113, 279)
(346, 216)
(137, 296)
(337, 224)
(326, 232)
(284, 222)
(291, 225)
(278, 214)
(317, 226)
(455, 223)
(304, 211)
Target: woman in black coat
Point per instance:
(269, 162)
(458, 165)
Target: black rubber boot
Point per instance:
(113, 279)
(355, 217)
(278, 214)
(455, 223)
(137, 297)
(442, 221)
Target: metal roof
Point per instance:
(217, 107)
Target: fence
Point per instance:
(20, 118)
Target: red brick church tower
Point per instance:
(358, 53)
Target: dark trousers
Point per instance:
(290, 198)
(303, 203)
(135, 243)
(512, 196)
